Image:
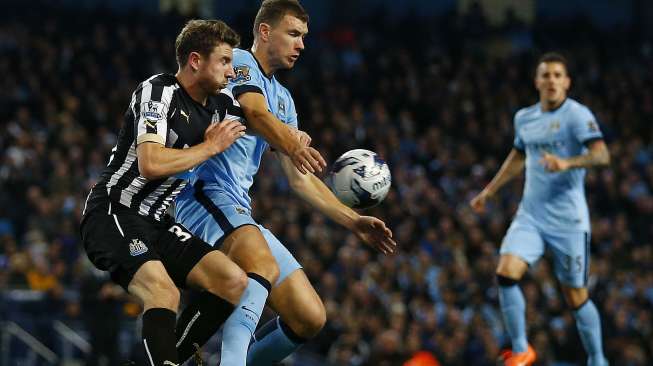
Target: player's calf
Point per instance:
(223, 283)
(160, 297)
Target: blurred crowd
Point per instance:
(435, 98)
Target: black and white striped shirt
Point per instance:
(160, 111)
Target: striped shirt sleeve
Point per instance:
(150, 106)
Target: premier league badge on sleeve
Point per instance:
(152, 110)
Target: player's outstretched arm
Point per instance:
(512, 166)
(311, 189)
(278, 134)
(597, 155)
(157, 161)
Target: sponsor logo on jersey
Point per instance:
(137, 247)
(185, 115)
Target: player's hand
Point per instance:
(478, 202)
(221, 135)
(304, 138)
(307, 159)
(553, 163)
(374, 233)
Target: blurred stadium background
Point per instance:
(430, 85)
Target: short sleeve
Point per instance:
(248, 75)
(517, 143)
(291, 118)
(584, 126)
(150, 105)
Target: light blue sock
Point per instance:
(588, 323)
(241, 324)
(513, 307)
(272, 343)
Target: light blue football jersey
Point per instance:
(233, 170)
(556, 201)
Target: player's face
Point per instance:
(287, 41)
(216, 69)
(552, 81)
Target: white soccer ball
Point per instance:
(360, 179)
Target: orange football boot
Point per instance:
(519, 359)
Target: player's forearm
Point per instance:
(161, 162)
(512, 166)
(595, 157)
(317, 194)
(276, 133)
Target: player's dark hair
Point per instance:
(203, 36)
(553, 57)
(272, 11)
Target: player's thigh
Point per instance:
(522, 246)
(298, 304)
(210, 214)
(119, 242)
(282, 256)
(218, 274)
(571, 257)
(181, 252)
(153, 287)
(247, 247)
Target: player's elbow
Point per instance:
(147, 169)
(603, 157)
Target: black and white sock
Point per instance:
(199, 321)
(159, 337)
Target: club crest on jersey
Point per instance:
(216, 117)
(591, 126)
(152, 110)
(137, 247)
(242, 74)
(281, 107)
(554, 126)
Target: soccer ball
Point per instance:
(360, 179)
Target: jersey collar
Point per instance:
(555, 109)
(259, 65)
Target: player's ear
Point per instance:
(264, 31)
(194, 61)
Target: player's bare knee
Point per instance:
(269, 270)
(316, 322)
(309, 321)
(511, 267)
(575, 297)
(508, 273)
(231, 288)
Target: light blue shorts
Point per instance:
(569, 250)
(212, 215)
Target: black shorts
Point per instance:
(120, 240)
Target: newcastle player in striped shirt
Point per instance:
(173, 123)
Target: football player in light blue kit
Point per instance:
(555, 141)
(217, 206)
